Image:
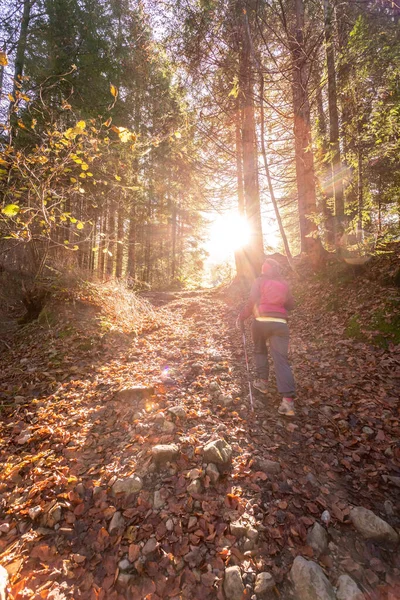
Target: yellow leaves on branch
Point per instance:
(124, 134)
(114, 94)
(113, 90)
(10, 210)
(3, 59)
(72, 132)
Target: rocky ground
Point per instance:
(133, 467)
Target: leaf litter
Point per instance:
(68, 435)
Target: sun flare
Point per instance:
(227, 233)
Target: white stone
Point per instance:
(128, 485)
(158, 501)
(368, 431)
(238, 529)
(125, 578)
(178, 411)
(347, 589)
(194, 487)
(124, 564)
(225, 400)
(248, 545)
(24, 436)
(3, 583)
(194, 474)
(34, 512)
(310, 581)
(134, 394)
(233, 584)
(53, 516)
(169, 525)
(117, 522)
(168, 427)
(264, 585)
(218, 452)
(271, 467)
(371, 526)
(252, 533)
(312, 479)
(317, 538)
(213, 473)
(164, 453)
(150, 546)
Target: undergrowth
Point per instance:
(382, 328)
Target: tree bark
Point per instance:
(2, 70)
(173, 247)
(336, 166)
(131, 266)
(255, 250)
(120, 240)
(268, 174)
(360, 185)
(102, 244)
(240, 260)
(20, 54)
(111, 239)
(302, 130)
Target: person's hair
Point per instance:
(271, 268)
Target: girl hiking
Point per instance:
(270, 300)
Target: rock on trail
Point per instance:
(372, 527)
(310, 582)
(347, 589)
(233, 583)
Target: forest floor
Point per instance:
(87, 513)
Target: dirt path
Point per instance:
(65, 534)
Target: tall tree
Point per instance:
(302, 126)
(336, 165)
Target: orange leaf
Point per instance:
(133, 552)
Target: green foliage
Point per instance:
(371, 93)
(381, 329)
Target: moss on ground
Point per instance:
(381, 329)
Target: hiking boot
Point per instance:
(287, 407)
(261, 385)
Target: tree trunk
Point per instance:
(360, 185)
(173, 248)
(120, 240)
(20, 59)
(270, 186)
(336, 166)
(2, 70)
(148, 240)
(102, 244)
(93, 244)
(131, 266)
(111, 239)
(302, 130)
(323, 146)
(240, 258)
(344, 72)
(255, 250)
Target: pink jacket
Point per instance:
(268, 298)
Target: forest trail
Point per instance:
(67, 533)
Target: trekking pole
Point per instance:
(248, 370)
